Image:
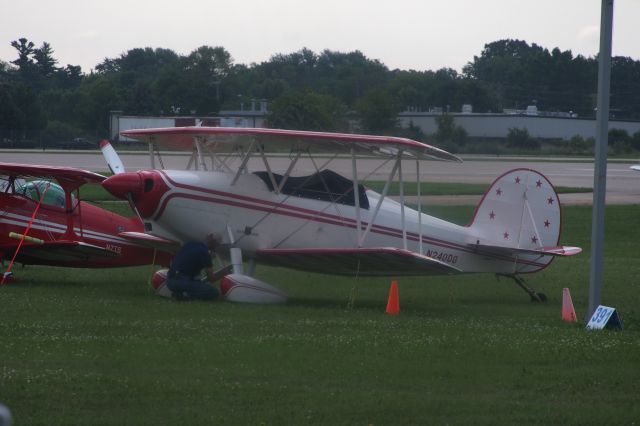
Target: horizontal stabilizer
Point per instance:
(377, 261)
(151, 241)
(514, 251)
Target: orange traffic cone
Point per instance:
(393, 304)
(568, 312)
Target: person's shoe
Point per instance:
(181, 296)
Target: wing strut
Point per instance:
(326, 188)
(191, 159)
(243, 164)
(152, 157)
(401, 179)
(198, 143)
(269, 172)
(214, 159)
(69, 200)
(382, 197)
(24, 235)
(153, 151)
(288, 172)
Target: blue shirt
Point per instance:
(191, 259)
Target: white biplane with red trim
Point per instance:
(325, 222)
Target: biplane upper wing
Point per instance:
(63, 175)
(376, 261)
(218, 138)
(58, 251)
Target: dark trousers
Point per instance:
(187, 288)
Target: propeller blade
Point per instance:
(111, 157)
(132, 204)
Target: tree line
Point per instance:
(43, 102)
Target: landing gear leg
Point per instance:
(252, 267)
(236, 260)
(534, 295)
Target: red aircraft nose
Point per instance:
(122, 184)
(146, 187)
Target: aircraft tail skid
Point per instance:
(519, 214)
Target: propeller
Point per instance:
(116, 167)
(132, 204)
(111, 157)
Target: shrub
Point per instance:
(448, 132)
(520, 139)
(579, 145)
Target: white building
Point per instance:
(538, 124)
(242, 118)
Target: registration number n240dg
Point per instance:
(442, 256)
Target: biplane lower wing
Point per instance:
(515, 251)
(59, 251)
(378, 261)
(151, 241)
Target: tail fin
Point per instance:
(520, 214)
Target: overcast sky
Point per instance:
(406, 34)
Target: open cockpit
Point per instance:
(325, 185)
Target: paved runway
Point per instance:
(623, 184)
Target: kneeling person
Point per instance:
(183, 276)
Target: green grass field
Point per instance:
(96, 347)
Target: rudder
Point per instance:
(520, 209)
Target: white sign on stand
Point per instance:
(604, 317)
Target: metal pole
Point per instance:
(419, 204)
(152, 155)
(356, 194)
(402, 220)
(600, 166)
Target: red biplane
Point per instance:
(43, 221)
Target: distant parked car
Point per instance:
(80, 143)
